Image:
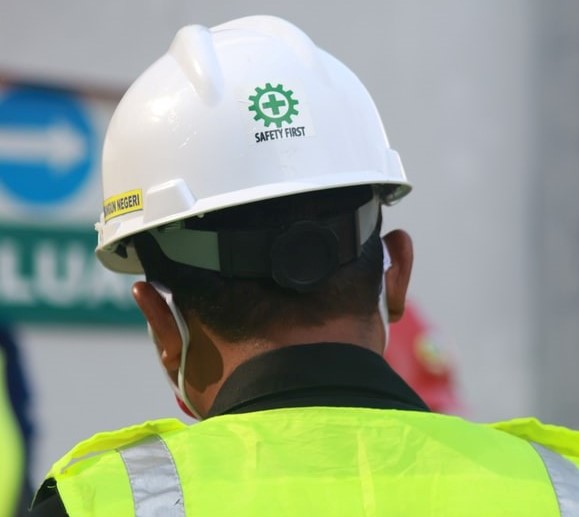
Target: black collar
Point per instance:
(321, 374)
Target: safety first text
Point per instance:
(278, 134)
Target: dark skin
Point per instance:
(211, 359)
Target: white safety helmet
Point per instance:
(246, 111)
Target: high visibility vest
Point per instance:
(11, 450)
(324, 461)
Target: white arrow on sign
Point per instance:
(58, 145)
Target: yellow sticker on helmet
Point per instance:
(124, 203)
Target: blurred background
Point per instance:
(481, 99)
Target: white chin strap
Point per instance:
(382, 300)
(179, 390)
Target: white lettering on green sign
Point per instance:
(53, 276)
(59, 277)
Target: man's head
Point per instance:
(244, 171)
(244, 307)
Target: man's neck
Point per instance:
(366, 333)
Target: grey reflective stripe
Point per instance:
(565, 478)
(153, 477)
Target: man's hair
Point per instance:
(240, 309)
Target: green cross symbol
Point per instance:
(273, 104)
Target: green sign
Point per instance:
(273, 105)
(50, 275)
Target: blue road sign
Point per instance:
(47, 145)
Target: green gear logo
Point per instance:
(273, 105)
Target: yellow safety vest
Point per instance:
(319, 461)
(11, 450)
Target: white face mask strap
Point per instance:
(382, 300)
(184, 333)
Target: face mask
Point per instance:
(179, 389)
(172, 384)
(382, 300)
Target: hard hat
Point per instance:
(246, 111)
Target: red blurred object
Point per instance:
(415, 353)
(183, 407)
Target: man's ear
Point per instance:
(397, 278)
(161, 323)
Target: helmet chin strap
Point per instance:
(382, 300)
(179, 390)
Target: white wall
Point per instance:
(451, 79)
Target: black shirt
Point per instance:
(322, 374)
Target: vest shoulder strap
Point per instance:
(110, 440)
(558, 447)
(559, 439)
